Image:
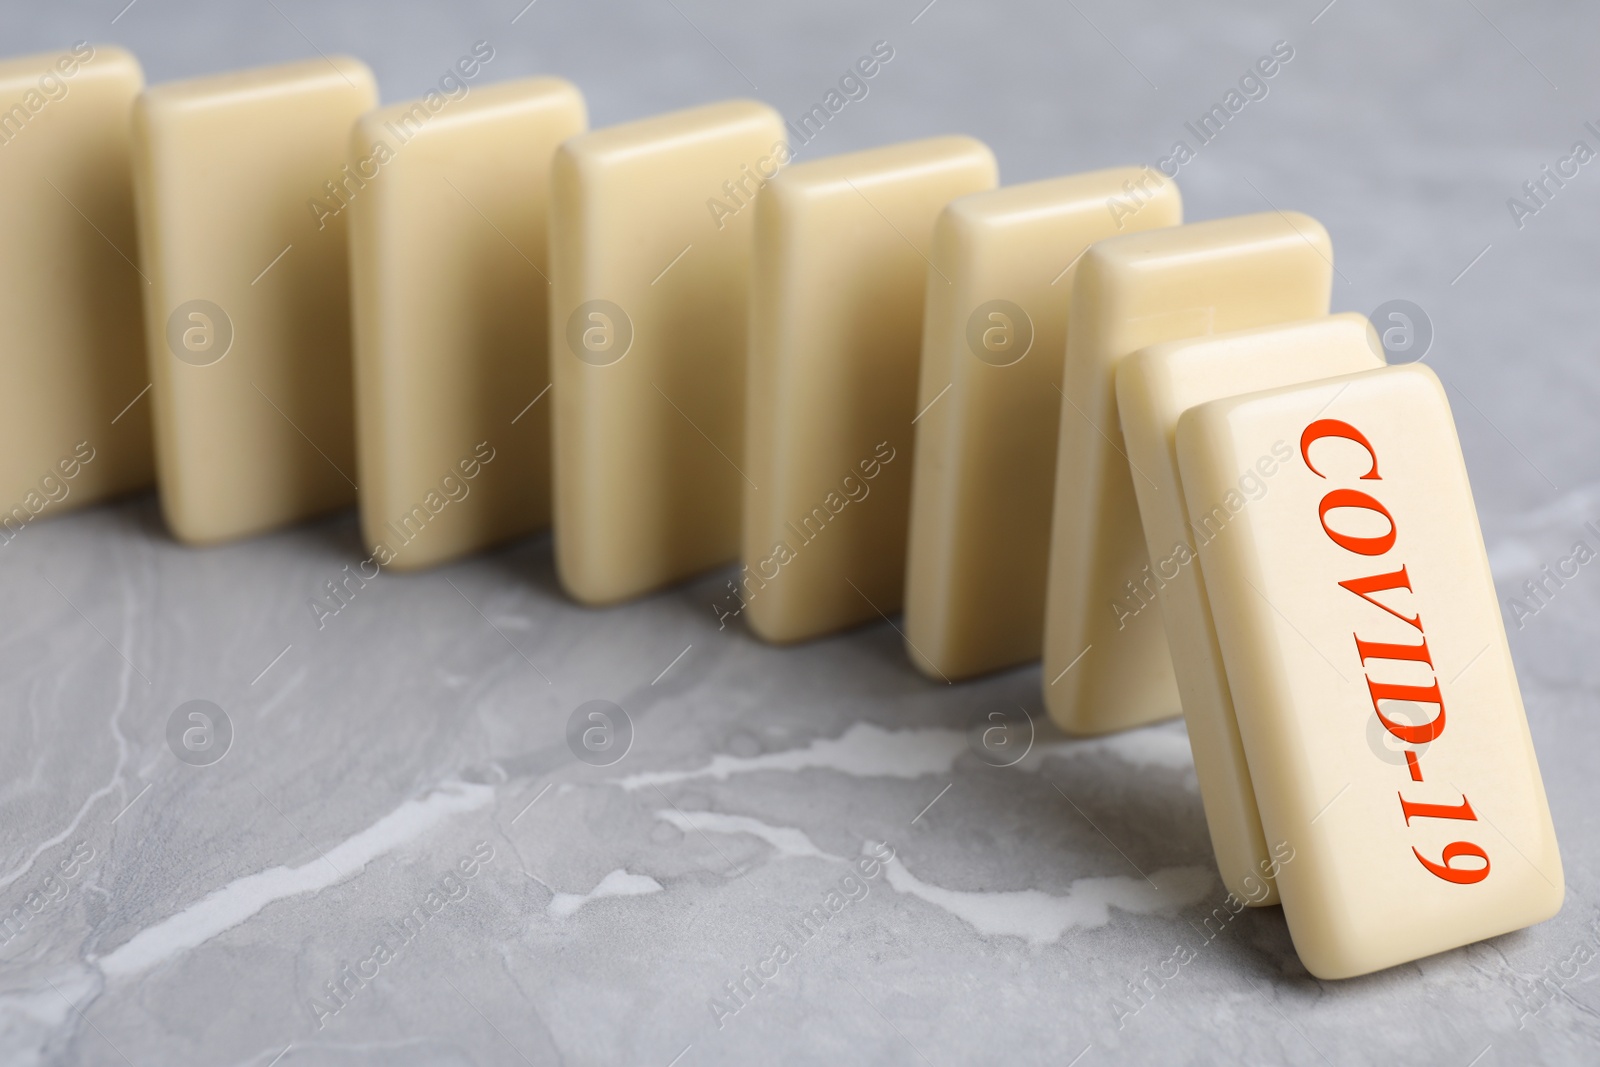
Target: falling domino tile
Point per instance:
(1106, 668)
(1154, 387)
(840, 275)
(247, 317)
(449, 260)
(992, 350)
(74, 425)
(1354, 607)
(650, 244)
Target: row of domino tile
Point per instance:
(847, 373)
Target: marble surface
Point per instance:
(178, 913)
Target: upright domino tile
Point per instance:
(449, 261)
(993, 342)
(72, 365)
(841, 270)
(1154, 387)
(1355, 609)
(1106, 667)
(650, 245)
(247, 315)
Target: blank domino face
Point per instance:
(1154, 387)
(1102, 669)
(449, 256)
(992, 348)
(836, 308)
(1370, 672)
(650, 238)
(72, 363)
(247, 317)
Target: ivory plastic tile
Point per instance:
(1370, 673)
(1103, 670)
(650, 243)
(72, 364)
(449, 256)
(1154, 387)
(247, 315)
(841, 272)
(992, 349)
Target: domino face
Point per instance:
(72, 365)
(1154, 387)
(1100, 671)
(1370, 673)
(241, 197)
(989, 408)
(836, 326)
(650, 247)
(449, 261)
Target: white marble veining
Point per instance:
(228, 906)
(863, 751)
(619, 883)
(1042, 918)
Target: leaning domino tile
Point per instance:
(650, 244)
(72, 361)
(840, 274)
(993, 342)
(247, 314)
(1154, 387)
(1356, 612)
(449, 256)
(1103, 670)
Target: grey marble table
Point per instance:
(400, 860)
